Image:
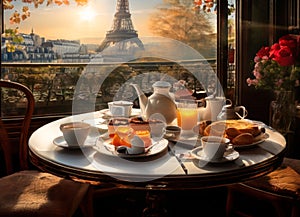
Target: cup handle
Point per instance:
(229, 102)
(239, 108)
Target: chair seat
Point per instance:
(33, 193)
(275, 194)
(283, 181)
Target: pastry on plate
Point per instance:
(240, 132)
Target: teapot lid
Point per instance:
(162, 84)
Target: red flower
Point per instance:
(263, 52)
(288, 41)
(275, 47)
(277, 66)
(284, 56)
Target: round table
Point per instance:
(165, 170)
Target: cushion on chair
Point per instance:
(284, 181)
(26, 192)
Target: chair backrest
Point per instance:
(15, 136)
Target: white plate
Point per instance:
(61, 142)
(229, 155)
(257, 140)
(109, 149)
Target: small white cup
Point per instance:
(172, 132)
(75, 133)
(120, 108)
(214, 147)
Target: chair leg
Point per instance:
(87, 205)
(296, 209)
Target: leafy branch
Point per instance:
(210, 6)
(18, 16)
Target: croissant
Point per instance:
(243, 139)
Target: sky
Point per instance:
(88, 24)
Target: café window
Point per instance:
(92, 52)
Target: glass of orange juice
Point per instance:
(187, 116)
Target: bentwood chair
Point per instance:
(28, 192)
(276, 194)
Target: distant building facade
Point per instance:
(35, 49)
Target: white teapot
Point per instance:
(160, 101)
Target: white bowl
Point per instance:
(120, 108)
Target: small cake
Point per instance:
(137, 123)
(114, 123)
(154, 126)
(124, 134)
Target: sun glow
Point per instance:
(88, 14)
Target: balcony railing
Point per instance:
(57, 86)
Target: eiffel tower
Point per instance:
(122, 33)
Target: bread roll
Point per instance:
(243, 139)
(215, 129)
(232, 132)
(240, 132)
(253, 130)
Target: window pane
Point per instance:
(109, 42)
(231, 76)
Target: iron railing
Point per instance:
(57, 85)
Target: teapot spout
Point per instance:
(143, 100)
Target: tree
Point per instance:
(179, 21)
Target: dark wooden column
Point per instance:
(253, 32)
(222, 47)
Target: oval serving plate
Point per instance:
(104, 147)
(257, 140)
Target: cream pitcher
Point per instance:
(230, 112)
(160, 101)
(213, 106)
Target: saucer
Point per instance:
(61, 142)
(229, 155)
(106, 148)
(106, 114)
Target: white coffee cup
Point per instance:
(214, 147)
(120, 108)
(75, 133)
